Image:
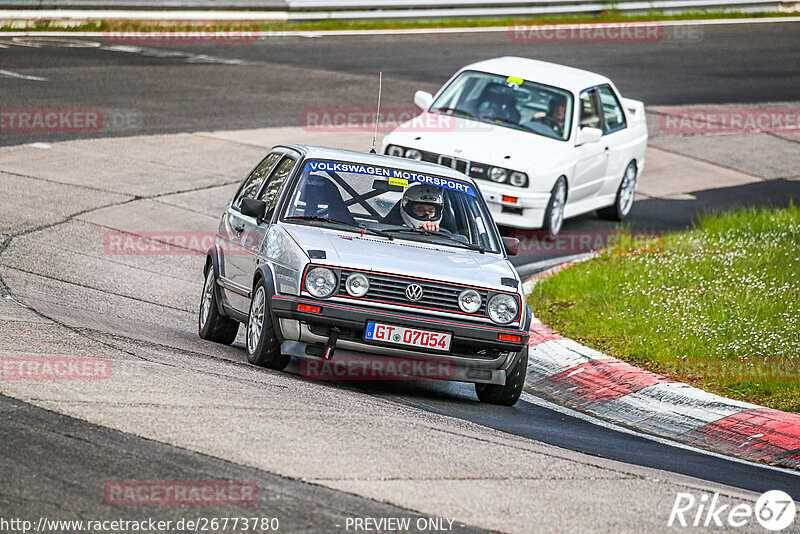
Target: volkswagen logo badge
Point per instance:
(414, 292)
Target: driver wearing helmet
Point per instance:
(421, 206)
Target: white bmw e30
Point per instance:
(548, 142)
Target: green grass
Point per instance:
(717, 306)
(610, 15)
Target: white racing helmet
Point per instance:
(421, 194)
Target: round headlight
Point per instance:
(320, 282)
(503, 308)
(519, 179)
(498, 174)
(469, 300)
(394, 150)
(357, 285)
(413, 154)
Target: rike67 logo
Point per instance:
(774, 510)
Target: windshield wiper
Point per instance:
(343, 223)
(465, 244)
(315, 219)
(453, 111)
(504, 121)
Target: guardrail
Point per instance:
(358, 9)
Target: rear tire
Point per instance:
(508, 394)
(211, 325)
(263, 346)
(554, 214)
(624, 200)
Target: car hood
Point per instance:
(403, 257)
(478, 141)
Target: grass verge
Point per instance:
(717, 306)
(386, 24)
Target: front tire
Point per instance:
(211, 325)
(263, 346)
(554, 214)
(508, 394)
(624, 200)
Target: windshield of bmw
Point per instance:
(508, 101)
(392, 203)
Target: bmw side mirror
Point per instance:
(253, 208)
(423, 100)
(512, 245)
(588, 134)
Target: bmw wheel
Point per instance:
(554, 214)
(624, 200)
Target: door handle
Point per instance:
(239, 229)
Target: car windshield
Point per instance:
(393, 203)
(510, 102)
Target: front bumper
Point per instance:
(476, 355)
(526, 212)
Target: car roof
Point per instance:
(534, 70)
(365, 158)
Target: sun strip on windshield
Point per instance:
(357, 168)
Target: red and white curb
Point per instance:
(590, 381)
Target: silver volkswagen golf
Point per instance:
(367, 266)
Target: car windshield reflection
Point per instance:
(392, 203)
(509, 102)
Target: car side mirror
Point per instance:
(588, 135)
(423, 100)
(512, 245)
(253, 208)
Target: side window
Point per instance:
(589, 113)
(613, 116)
(252, 184)
(272, 191)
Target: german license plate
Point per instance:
(411, 337)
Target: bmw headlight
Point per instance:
(503, 308)
(498, 174)
(469, 301)
(413, 153)
(518, 179)
(357, 285)
(320, 282)
(394, 150)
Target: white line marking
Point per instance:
(408, 31)
(16, 75)
(43, 146)
(538, 401)
(575, 372)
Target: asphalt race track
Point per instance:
(171, 88)
(51, 462)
